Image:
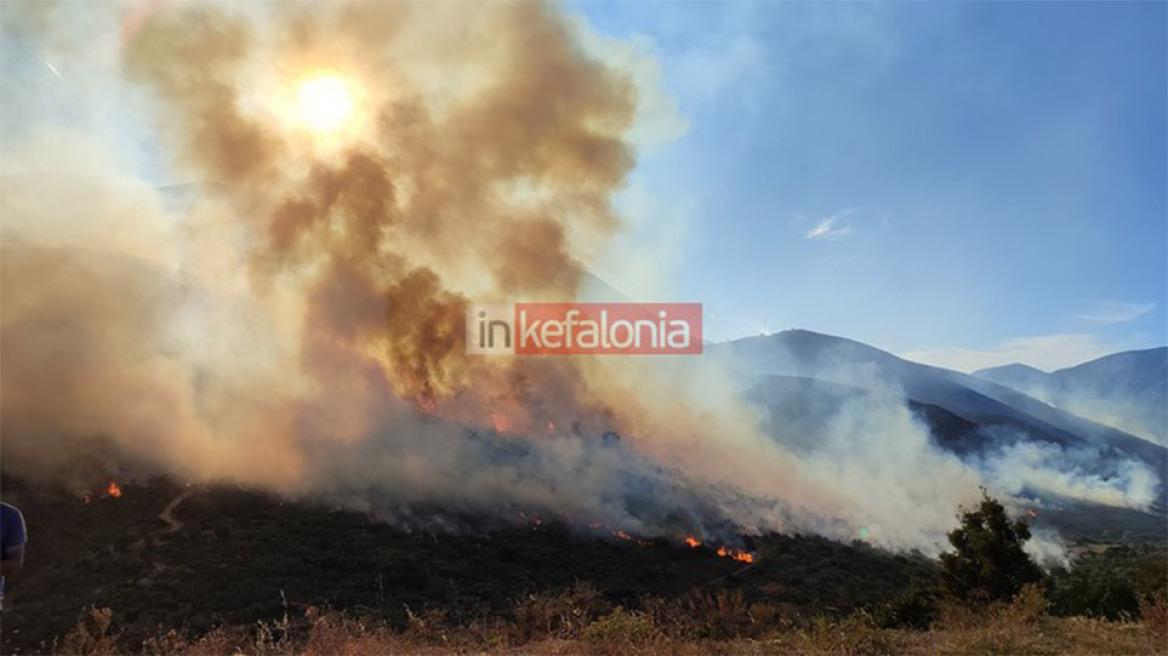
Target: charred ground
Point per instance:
(229, 557)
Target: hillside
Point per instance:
(215, 570)
(224, 556)
(1127, 390)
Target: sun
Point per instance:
(325, 102)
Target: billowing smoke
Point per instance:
(292, 316)
(1085, 474)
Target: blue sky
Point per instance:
(964, 183)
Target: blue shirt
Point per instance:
(12, 533)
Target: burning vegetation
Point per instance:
(723, 551)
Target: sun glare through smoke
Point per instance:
(325, 102)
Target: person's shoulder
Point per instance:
(11, 512)
(12, 525)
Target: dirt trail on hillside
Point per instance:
(167, 514)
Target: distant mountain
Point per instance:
(803, 378)
(1127, 390)
(1019, 376)
(813, 355)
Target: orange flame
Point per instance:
(724, 552)
(113, 490)
(625, 536)
(740, 556)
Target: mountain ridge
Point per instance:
(806, 352)
(1127, 390)
(796, 374)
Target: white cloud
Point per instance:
(1115, 312)
(830, 228)
(1046, 352)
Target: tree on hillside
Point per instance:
(987, 561)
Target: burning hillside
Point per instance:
(296, 322)
(358, 173)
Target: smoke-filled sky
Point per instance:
(968, 183)
(216, 267)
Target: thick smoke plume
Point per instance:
(291, 317)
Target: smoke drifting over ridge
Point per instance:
(296, 323)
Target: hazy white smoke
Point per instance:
(1047, 548)
(1051, 469)
(843, 419)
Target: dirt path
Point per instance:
(167, 514)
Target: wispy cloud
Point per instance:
(830, 228)
(1115, 312)
(1046, 352)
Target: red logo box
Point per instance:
(608, 328)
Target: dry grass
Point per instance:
(563, 616)
(578, 621)
(1154, 613)
(92, 635)
(623, 632)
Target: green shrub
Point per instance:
(915, 607)
(1110, 584)
(987, 562)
